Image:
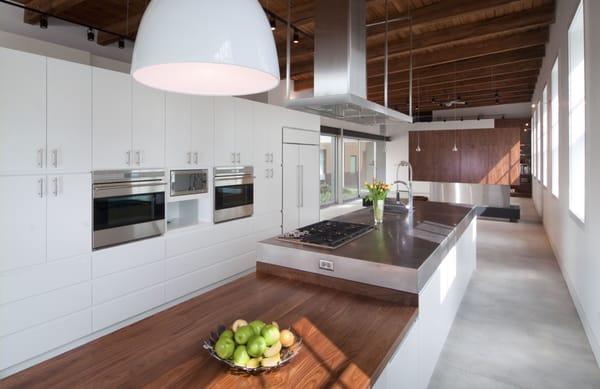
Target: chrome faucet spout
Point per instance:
(407, 184)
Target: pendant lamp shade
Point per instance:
(206, 47)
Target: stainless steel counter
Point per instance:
(401, 254)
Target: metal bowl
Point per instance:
(287, 354)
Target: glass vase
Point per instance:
(378, 211)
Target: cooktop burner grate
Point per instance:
(326, 234)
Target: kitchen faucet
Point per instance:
(408, 184)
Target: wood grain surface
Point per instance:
(348, 340)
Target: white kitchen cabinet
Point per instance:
(190, 130)
(22, 111)
(178, 126)
(203, 124)
(268, 121)
(234, 133)
(309, 179)
(23, 221)
(148, 127)
(69, 117)
(69, 217)
(244, 131)
(111, 119)
(224, 139)
(300, 185)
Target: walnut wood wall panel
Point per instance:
(486, 156)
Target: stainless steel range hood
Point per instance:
(340, 67)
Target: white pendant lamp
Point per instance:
(206, 47)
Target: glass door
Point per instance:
(367, 172)
(351, 169)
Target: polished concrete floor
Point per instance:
(517, 326)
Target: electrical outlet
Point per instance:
(325, 264)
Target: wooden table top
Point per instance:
(348, 340)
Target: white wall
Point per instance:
(575, 244)
(509, 111)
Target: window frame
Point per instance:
(577, 187)
(555, 128)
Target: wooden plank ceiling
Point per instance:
(484, 52)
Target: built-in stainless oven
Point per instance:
(234, 193)
(189, 182)
(128, 205)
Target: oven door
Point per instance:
(234, 198)
(128, 212)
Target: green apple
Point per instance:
(257, 326)
(240, 356)
(226, 334)
(243, 334)
(224, 348)
(271, 334)
(256, 346)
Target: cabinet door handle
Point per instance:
(272, 159)
(238, 158)
(55, 158)
(189, 158)
(128, 158)
(232, 157)
(267, 157)
(41, 188)
(266, 173)
(196, 157)
(55, 182)
(40, 157)
(138, 157)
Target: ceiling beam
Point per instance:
(49, 7)
(438, 12)
(525, 98)
(534, 18)
(515, 59)
(450, 86)
(447, 55)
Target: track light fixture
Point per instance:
(296, 38)
(121, 43)
(91, 36)
(44, 22)
(273, 23)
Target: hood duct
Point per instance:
(340, 67)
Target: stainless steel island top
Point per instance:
(401, 254)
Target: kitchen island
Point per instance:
(355, 334)
(427, 255)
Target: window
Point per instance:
(577, 115)
(545, 125)
(351, 179)
(540, 129)
(534, 143)
(554, 136)
(367, 171)
(327, 169)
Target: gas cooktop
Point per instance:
(327, 234)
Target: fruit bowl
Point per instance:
(286, 354)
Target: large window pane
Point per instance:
(577, 115)
(327, 164)
(351, 163)
(555, 133)
(367, 158)
(545, 125)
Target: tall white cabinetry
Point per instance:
(22, 111)
(300, 178)
(190, 130)
(128, 122)
(268, 123)
(234, 139)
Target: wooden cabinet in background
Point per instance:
(485, 156)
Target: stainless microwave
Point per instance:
(189, 182)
